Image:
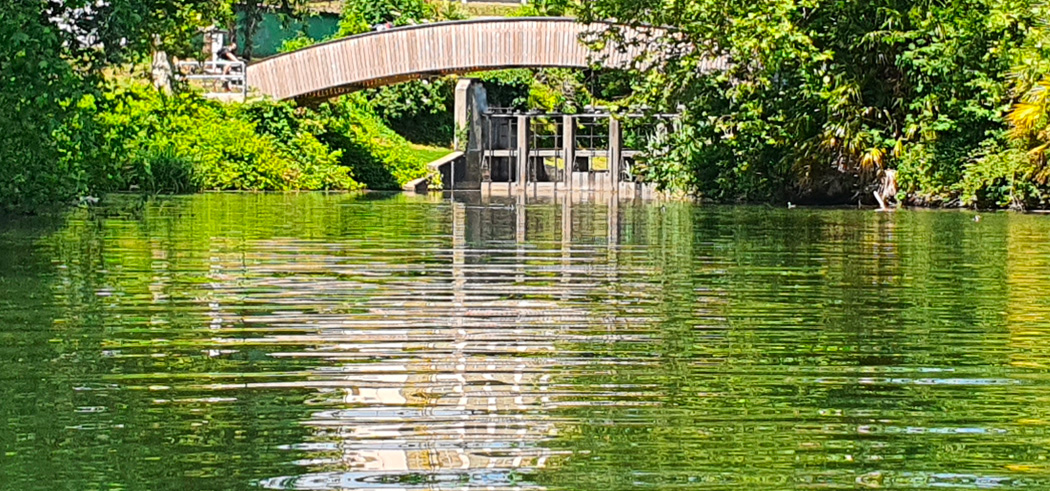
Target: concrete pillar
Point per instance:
(461, 112)
(615, 154)
(471, 103)
(523, 152)
(569, 151)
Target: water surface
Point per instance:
(252, 341)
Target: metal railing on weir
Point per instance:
(594, 153)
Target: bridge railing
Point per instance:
(218, 77)
(440, 48)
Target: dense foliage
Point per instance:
(817, 99)
(545, 8)
(136, 137)
(396, 12)
(51, 57)
(420, 111)
(76, 127)
(821, 94)
(378, 156)
(251, 16)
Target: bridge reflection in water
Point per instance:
(449, 384)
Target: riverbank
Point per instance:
(975, 142)
(131, 137)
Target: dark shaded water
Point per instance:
(367, 342)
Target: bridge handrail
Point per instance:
(424, 25)
(389, 56)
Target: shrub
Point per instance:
(372, 12)
(543, 8)
(1000, 177)
(161, 169)
(229, 155)
(447, 10)
(297, 43)
(379, 157)
(420, 111)
(508, 88)
(138, 137)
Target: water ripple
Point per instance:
(339, 342)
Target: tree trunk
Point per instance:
(252, 16)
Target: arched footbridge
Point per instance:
(407, 53)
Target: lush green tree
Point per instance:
(51, 56)
(251, 16)
(135, 137)
(397, 12)
(421, 111)
(98, 34)
(819, 92)
(35, 81)
(377, 156)
(1016, 173)
(545, 8)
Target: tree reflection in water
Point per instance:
(316, 341)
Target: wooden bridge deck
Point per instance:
(407, 53)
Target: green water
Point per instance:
(374, 342)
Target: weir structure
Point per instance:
(510, 152)
(504, 152)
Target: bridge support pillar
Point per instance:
(523, 153)
(568, 144)
(461, 112)
(471, 103)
